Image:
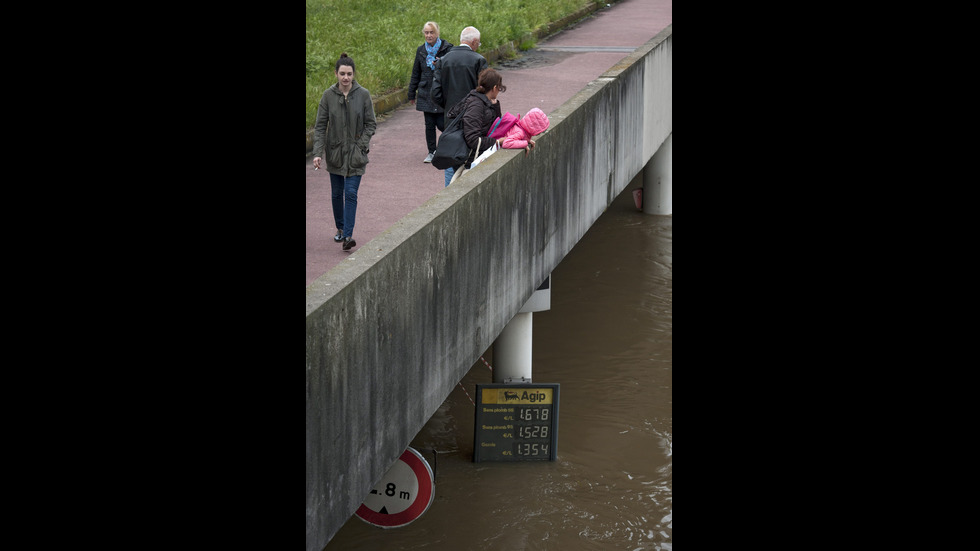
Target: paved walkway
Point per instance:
(397, 182)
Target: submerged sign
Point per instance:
(516, 422)
(402, 495)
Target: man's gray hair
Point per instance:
(468, 34)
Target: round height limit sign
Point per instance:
(402, 494)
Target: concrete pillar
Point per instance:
(512, 350)
(657, 176)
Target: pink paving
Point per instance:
(396, 180)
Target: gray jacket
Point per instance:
(343, 129)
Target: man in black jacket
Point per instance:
(457, 73)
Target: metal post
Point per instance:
(512, 351)
(657, 176)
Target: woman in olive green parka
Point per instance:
(342, 137)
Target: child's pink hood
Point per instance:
(534, 122)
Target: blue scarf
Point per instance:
(432, 52)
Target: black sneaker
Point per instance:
(339, 237)
(348, 243)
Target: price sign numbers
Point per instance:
(516, 422)
(528, 449)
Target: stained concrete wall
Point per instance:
(392, 330)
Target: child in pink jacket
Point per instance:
(519, 135)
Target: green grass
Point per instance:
(382, 35)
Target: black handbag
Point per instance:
(451, 149)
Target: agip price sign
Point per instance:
(516, 422)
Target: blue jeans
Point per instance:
(344, 197)
(449, 175)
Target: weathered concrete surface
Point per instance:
(391, 330)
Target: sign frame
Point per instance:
(499, 431)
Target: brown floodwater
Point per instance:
(607, 340)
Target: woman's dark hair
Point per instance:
(488, 79)
(344, 60)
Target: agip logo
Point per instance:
(517, 396)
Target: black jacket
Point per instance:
(478, 117)
(456, 74)
(420, 87)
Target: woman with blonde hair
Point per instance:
(420, 86)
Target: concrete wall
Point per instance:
(392, 330)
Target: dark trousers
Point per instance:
(432, 121)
